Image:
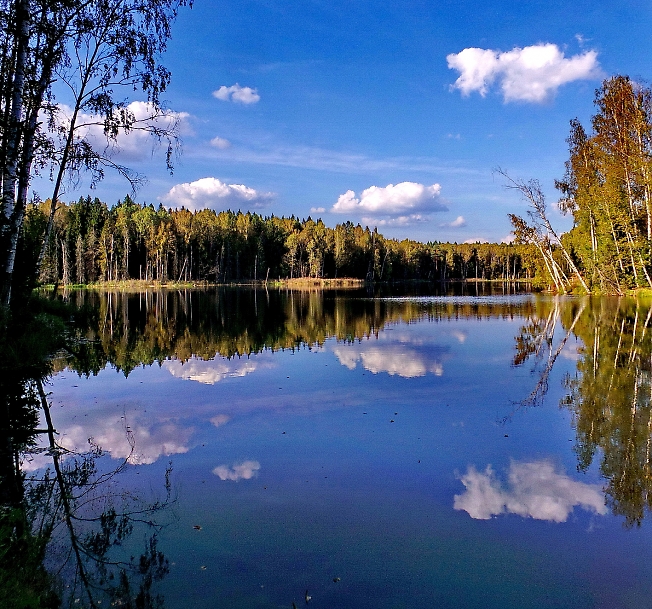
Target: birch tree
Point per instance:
(94, 49)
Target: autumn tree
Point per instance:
(608, 187)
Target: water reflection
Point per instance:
(391, 359)
(211, 371)
(239, 471)
(609, 397)
(534, 490)
(131, 330)
(211, 336)
(67, 531)
(382, 400)
(609, 394)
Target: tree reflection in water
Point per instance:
(76, 520)
(66, 529)
(610, 393)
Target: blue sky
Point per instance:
(391, 114)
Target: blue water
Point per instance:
(393, 470)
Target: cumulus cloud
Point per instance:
(476, 240)
(530, 74)
(238, 94)
(215, 194)
(240, 471)
(317, 210)
(459, 222)
(392, 204)
(398, 221)
(209, 372)
(220, 142)
(394, 360)
(535, 490)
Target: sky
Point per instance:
(393, 115)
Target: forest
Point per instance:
(607, 188)
(92, 242)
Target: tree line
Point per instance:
(92, 242)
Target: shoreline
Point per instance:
(298, 283)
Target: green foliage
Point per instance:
(609, 397)
(608, 188)
(92, 242)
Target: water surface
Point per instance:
(377, 450)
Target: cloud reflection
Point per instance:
(240, 471)
(149, 441)
(220, 419)
(209, 372)
(394, 360)
(535, 491)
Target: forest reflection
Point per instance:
(77, 510)
(134, 329)
(67, 529)
(610, 393)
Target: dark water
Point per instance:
(376, 450)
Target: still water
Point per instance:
(357, 450)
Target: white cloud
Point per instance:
(535, 491)
(317, 210)
(136, 144)
(398, 203)
(241, 471)
(209, 372)
(398, 221)
(236, 93)
(530, 74)
(476, 240)
(459, 222)
(215, 194)
(220, 142)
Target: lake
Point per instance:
(360, 449)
